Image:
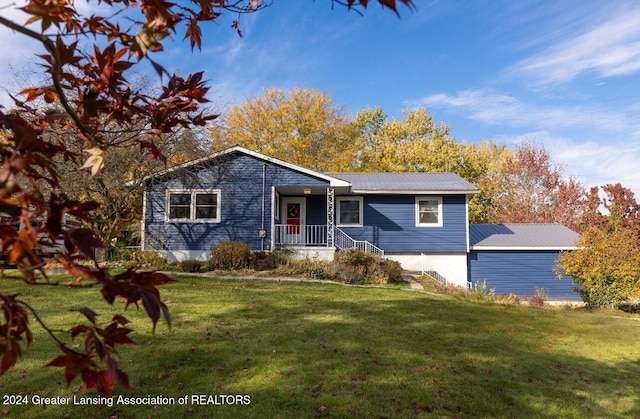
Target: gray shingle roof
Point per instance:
(548, 236)
(410, 182)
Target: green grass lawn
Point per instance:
(309, 349)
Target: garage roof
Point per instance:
(522, 237)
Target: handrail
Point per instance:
(343, 241)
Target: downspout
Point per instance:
(262, 230)
(143, 224)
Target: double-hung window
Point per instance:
(349, 211)
(193, 205)
(428, 211)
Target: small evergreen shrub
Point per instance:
(231, 255)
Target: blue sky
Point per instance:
(563, 74)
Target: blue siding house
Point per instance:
(418, 219)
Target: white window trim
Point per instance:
(349, 198)
(192, 211)
(417, 211)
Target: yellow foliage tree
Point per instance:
(416, 143)
(606, 266)
(302, 126)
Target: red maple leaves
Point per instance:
(99, 344)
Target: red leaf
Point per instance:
(100, 380)
(88, 313)
(78, 330)
(120, 319)
(84, 241)
(74, 363)
(116, 335)
(139, 286)
(12, 351)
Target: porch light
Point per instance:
(307, 191)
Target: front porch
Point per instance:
(304, 218)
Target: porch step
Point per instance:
(413, 284)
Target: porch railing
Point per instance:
(343, 241)
(316, 235)
(302, 235)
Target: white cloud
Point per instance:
(494, 108)
(612, 48)
(604, 143)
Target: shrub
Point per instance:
(262, 261)
(481, 291)
(630, 306)
(539, 299)
(392, 269)
(510, 298)
(376, 275)
(354, 257)
(310, 268)
(355, 266)
(148, 259)
(601, 297)
(191, 265)
(231, 255)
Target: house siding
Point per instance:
(239, 178)
(389, 222)
(520, 272)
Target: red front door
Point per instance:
(293, 210)
(293, 217)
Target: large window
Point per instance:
(349, 211)
(428, 211)
(193, 205)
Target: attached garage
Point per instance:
(518, 258)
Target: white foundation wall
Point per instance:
(322, 253)
(451, 266)
(180, 255)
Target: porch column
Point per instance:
(330, 223)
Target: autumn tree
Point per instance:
(116, 187)
(302, 124)
(606, 265)
(622, 207)
(416, 143)
(531, 188)
(87, 60)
